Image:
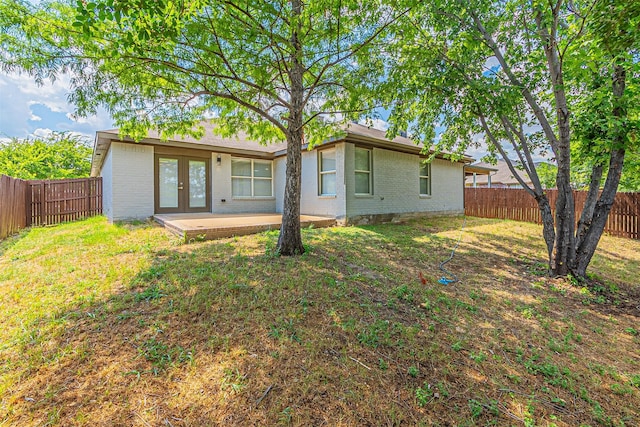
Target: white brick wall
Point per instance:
(131, 181)
(396, 185)
(128, 185)
(107, 186)
(221, 190)
(280, 170)
(447, 187)
(310, 202)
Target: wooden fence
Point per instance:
(27, 203)
(61, 200)
(13, 205)
(505, 203)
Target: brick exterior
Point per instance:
(131, 181)
(221, 190)
(128, 174)
(311, 203)
(107, 185)
(396, 187)
(279, 175)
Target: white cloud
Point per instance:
(52, 94)
(26, 108)
(491, 62)
(42, 132)
(210, 114)
(46, 132)
(93, 121)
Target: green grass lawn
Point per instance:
(106, 325)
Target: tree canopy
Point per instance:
(531, 79)
(274, 69)
(58, 156)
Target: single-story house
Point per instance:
(358, 178)
(499, 176)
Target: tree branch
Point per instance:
(498, 146)
(515, 81)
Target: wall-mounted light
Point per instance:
(219, 160)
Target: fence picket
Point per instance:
(13, 216)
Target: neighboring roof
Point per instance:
(241, 144)
(479, 170)
(502, 175)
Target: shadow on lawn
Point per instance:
(602, 296)
(222, 334)
(9, 241)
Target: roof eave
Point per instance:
(100, 148)
(104, 138)
(103, 142)
(391, 145)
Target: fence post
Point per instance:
(87, 208)
(43, 203)
(27, 203)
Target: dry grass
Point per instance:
(107, 325)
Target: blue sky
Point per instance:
(27, 109)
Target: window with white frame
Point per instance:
(363, 171)
(251, 178)
(425, 178)
(327, 172)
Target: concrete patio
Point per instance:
(208, 226)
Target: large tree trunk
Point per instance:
(290, 240)
(590, 239)
(548, 230)
(590, 236)
(564, 248)
(589, 205)
(564, 253)
(564, 245)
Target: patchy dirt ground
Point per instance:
(126, 327)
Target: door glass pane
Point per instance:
(262, 169)
(168, 182)
(262, 187)
(362, 183)
(241, 187)
(240, 167)
(197, 184)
